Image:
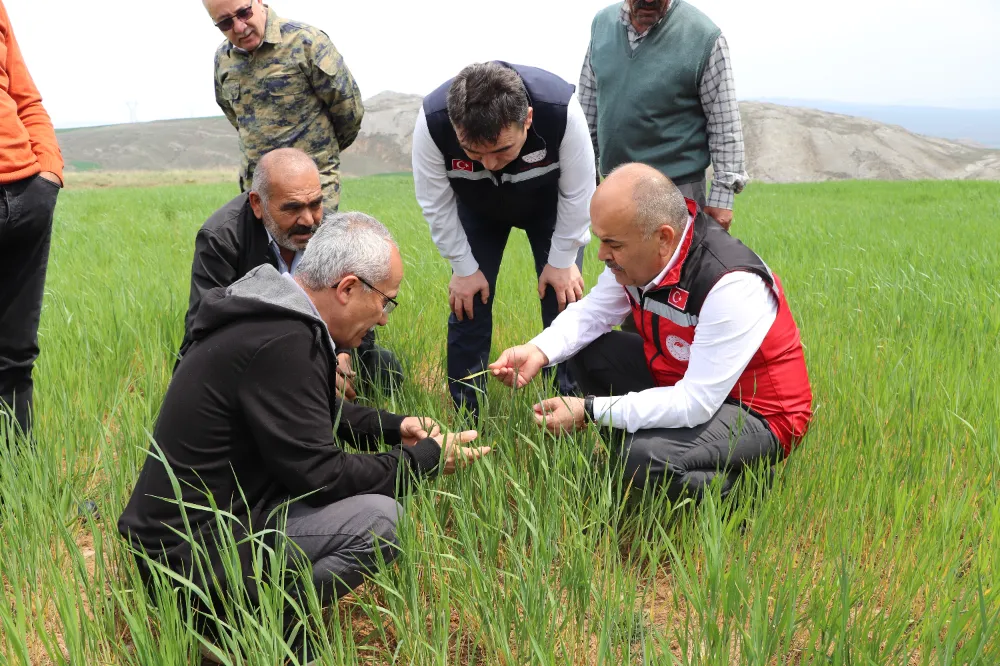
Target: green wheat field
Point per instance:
(877, 543)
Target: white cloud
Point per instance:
(90, 58)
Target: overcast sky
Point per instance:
(91, 58)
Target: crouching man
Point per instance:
(714, 381)
(271, 224)
(251, 417)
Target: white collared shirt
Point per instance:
(734, 320)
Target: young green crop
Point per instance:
(875, 543)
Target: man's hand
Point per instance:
(723, 216)
(51, 177)
(456, 454)
(415, 428)
(567, 283)
(461, 291)
(345, 377)
(518, 365)
(561, 414)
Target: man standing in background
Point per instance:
(30, 177)
(283, 84)
(657, 88)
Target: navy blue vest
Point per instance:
(527, 189)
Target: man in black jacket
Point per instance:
(271, 224)
(250, 415)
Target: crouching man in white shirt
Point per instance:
(714, 381)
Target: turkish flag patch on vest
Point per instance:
(461, 165)
(678, 298)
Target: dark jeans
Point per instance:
(26, 208)
(469, 341)
(686, 459)
(378, 370)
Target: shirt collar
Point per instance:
(272, 29)
(655, 282)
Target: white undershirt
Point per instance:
(577, 181)
(733, 322)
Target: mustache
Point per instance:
(301, 230)
(652, 5)
(613, 266)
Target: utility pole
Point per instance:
(133, 111)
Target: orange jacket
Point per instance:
(27, 139)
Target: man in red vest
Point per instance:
(714, 381)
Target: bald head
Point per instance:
(282, 167)
(639, 216)
(645, 195)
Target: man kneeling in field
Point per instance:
(715, 380)
(271, 224)
(250, 418)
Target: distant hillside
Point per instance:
(790, 144)
(973, 126)
(784, 144)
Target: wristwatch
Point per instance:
(588, 408)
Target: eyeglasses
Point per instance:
(245, 14)
(388, 302)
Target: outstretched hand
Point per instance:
(456, 454)
(562, 414)
(518, 365)
(415, 428)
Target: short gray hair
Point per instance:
(658, 202)
(349, 243)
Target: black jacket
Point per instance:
(231, 242)
(250, 417)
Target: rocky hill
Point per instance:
(784, 144)
(792, 144)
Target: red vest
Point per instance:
(775, 385)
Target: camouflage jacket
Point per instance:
(294, 90)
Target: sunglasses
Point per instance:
(388, 302)
(226, 24)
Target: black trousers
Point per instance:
(685, 459)
(469, 341)
(26, 209)
(378, 369)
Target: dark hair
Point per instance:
(484, 99)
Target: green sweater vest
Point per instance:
(648, 107)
